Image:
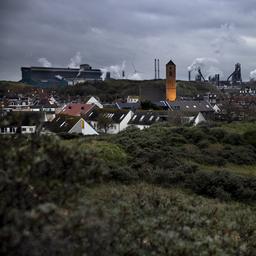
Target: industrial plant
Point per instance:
(234, 79)
(46, 76)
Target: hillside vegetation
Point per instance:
(112, 90)
(145, 192)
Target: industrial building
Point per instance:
(234, 79)
(44, 76)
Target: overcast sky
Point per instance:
(106, 33)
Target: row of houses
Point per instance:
(92, 118)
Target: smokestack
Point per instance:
(218, 80)
(158, 69)
(155, 70)
(189, 75)
(123, 74)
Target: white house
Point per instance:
(111, 121)
(69, 124)
(21, 122)
(94, 101)
(144, 119)
(216, 108)
(199, 119)
(133, 99)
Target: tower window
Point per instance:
(170, 73)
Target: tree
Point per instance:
(104, 122)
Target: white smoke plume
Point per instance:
(45, 63)
(208, 66)
(135, 76)
(227, 34)
(253, 75)
(115, 71)
(75, 61)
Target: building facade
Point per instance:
(170, 81)
(43, 76)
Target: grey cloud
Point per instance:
(107, 32)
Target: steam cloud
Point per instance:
(253, 75)
(45, 63)
(208, 66)
(135, 76)
(115, 71)
(226, 34)
(75, 61)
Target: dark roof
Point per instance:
(145, 118)
(121, 105)
(116, 115)
(190, 106)
(61, 123)
(162, 104)
(170, 63)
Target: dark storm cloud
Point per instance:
(106, 32)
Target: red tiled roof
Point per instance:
(76, 109)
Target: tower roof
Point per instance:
(170, 63)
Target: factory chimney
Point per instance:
(158, 69)
(189, 75)
(155, 70)
(170, 81)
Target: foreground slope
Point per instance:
(137, 193)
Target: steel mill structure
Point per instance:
(170, 81)
(236, 76)
(46, 76)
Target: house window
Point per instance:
(62, 124)
(24, 129)
(31, 129)
(151, 118)
(134, 117)
(142, 118)
(12, 130)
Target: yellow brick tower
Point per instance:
(170, 81)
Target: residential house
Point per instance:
(131, 106)
(144, 119)
(19, 102)
(77, 109)
(187, 111)
(21, 122)
(110, 121)
(94, 101)
(133, 99)
(69, 124)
